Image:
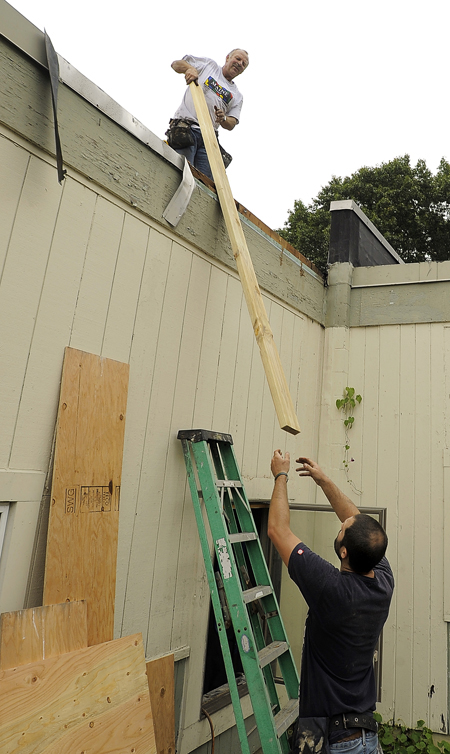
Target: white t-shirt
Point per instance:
(217, 89)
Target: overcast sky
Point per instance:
(331, 86)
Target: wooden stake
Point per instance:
(264, 337)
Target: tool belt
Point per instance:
(352, 720)
(311, 733)
(179, 134)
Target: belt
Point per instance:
(352, 720)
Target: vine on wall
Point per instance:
(347, 405)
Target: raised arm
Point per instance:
(341, 504)
(182, 66)
(278, 528)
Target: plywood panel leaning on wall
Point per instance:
(84, 511)
(161, 685)
(95, 699)
(276, 379)
(40, 632)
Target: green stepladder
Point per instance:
(214, 477)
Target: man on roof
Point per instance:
(347, 610)
(223, 98)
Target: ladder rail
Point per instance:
(247, 587)
(215, 599)
(258, 690)
(254, 552)
(235, 487)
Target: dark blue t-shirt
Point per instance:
(346, 614)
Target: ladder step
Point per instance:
(286, 717)
(244, 536)
(250, 595)
(271, 652)
(228, 483)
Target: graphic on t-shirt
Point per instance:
(221, 92)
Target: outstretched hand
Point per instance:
(312, 469)
(279, 463)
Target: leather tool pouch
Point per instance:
(226, 156)
(179, 134)
(311, 736)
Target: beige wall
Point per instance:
(81, 268)
(400, 445)
(91, 265)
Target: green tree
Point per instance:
(409, 205)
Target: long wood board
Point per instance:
(92, 700)
(84, 512)
(276, 379)
(37, 633)
(161, 685)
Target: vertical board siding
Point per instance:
(149, 503)
(53, 320)
(421, 543)
(266, 440)
(98, 274)
(14, 162)
(134, 473)
(125, 290)
(387, 470)
(404, 595)
(402, 447)
(438, 701)
(21, 287)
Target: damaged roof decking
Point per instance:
(120, 154)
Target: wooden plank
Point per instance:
(84, 515)
(27, 636)
(161, 685)
(94, 699)
(264, 336)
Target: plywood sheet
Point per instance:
(84, 512)
(35, 634)
(161, 685)
(92, 700)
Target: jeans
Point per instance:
(367, 744)
(196, 154)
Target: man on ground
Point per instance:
(347, 610)
(223, 98)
